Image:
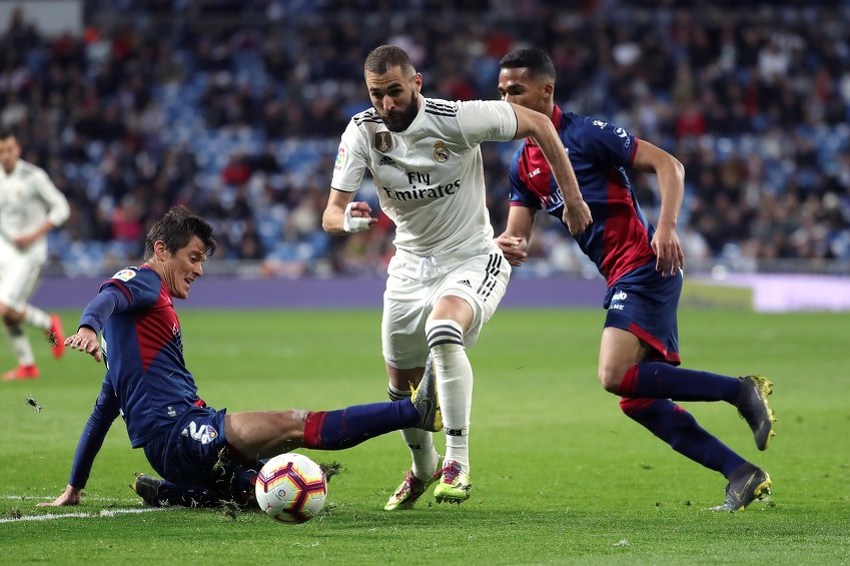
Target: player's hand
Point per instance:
(71, 496)
(25, 241)
(515, 248)
(85, 340)
(577, 217)
(357, 217)
(668, 250)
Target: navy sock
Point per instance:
(678, 428)
(663, 381)
(336, 430)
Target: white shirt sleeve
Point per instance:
(351, 160)
(58, 208)
(487, 120)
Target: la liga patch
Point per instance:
(124, 275)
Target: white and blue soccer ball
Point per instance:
(291, 488)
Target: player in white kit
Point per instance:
(447, 276)
(30, 206)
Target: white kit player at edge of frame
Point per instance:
(30, 207)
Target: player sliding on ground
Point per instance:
(204, 456)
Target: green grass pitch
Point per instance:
(560, 475)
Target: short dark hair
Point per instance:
(176, 228)
(6, 133)
(385, 57)
(535, 60)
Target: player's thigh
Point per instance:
(648, 310)
(262, 434)
(619, 350)
(406, 309)
(482, 283)
(17, 283)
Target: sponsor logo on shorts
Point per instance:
(203, 434)
(617, 301)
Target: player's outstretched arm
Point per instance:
(71, 496)
(577, 215)
(514, 240)
(343, 215)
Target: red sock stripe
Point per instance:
(631, 404)
(629, 384)
(313, 429)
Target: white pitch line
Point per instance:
(103, 513)
(50, 498)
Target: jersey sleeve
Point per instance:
(520, 193)
(351, 160)
(109, 301)
(105, 411)
(486, 120)
(58, 208)
(607, 143)
(141, 287)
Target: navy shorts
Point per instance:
(645, 304)
(195, 453)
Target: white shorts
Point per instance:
(18, 278)
(415, 284)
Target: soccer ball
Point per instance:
(291, 488)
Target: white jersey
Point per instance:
(430, 177)
(27, 198)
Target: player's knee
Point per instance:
(611, 377)
(614, 377)
(444, 334)
(10, 316)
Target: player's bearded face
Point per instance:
(395, 96)
(400, 117)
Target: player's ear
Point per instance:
(548, 91)
(417, 82)
(160, 250)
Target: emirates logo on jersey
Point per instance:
(383, 141)
(441, 154)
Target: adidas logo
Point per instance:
(465, 282)
(386, 161)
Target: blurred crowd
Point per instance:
(234, 108)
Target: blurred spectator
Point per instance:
(233, 108)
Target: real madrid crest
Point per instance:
(383, 141)
(441, 154)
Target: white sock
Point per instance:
(420, 442)
(37, 317)
(20, 345)
(454, 386)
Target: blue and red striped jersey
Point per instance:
(618, 240)
(144, 356)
